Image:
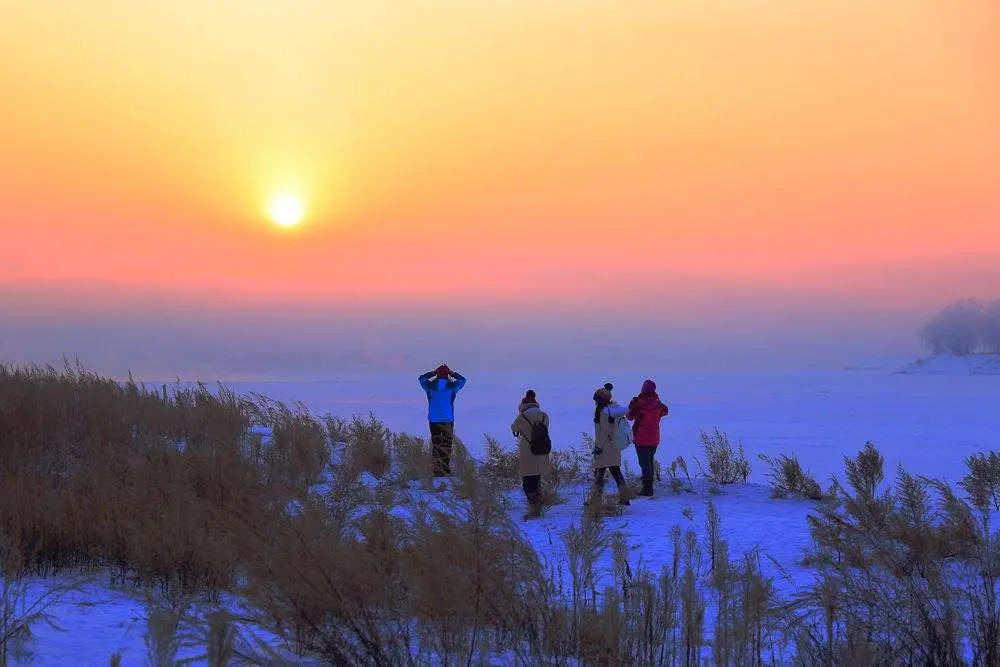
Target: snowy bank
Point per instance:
(949, 364)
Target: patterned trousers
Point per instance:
(442, 439)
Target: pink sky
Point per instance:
(488, 155)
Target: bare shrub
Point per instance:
(163, 635)
(375, 588)
(467, 483)
(21, 607)
(693, 602)
(755, 615)
(584, 546)
(894, 576)
(636, 619)
(725, 465)
(718, 548)
(368, 447)
(568, 467)
(639, 617)
(500, 465)
(412, 457)
(982, 482)
(679, 465)
(787, 477)
(981, 554)
(747, 613)
(220, 639)
(298, 450)
(865, 473)
(135, 481)
(338, 429)
(633, 480)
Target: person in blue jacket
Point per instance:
(441, 386)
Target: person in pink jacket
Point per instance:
(645, 411)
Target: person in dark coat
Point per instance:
(441, 386)
(645, 411)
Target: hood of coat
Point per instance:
(648, 388)
(528, 406)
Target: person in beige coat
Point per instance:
(531, 466)
(606, 456)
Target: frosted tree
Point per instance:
(991, 328)
(957, 328)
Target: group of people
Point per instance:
(642, 417)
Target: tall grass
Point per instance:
(723, 463)
(787, 477)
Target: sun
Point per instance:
(286, 210)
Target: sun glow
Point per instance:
(286, 210)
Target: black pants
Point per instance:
(531, 485)
(646, 455)
(616, 472)
(442, 439)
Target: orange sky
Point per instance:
(494, 150)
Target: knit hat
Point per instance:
(442, 371)
(529, 397)
(609, 386)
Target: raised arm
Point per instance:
(633, 411)
(425, 380)
(459, 381)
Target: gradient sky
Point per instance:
(763, 157)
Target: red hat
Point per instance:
(442, 371)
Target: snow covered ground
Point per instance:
(948, 364)
(928, 422)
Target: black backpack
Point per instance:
(541, 443)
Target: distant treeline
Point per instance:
(968, 326)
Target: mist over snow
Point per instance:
(160, 339)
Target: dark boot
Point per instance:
(623, 491)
